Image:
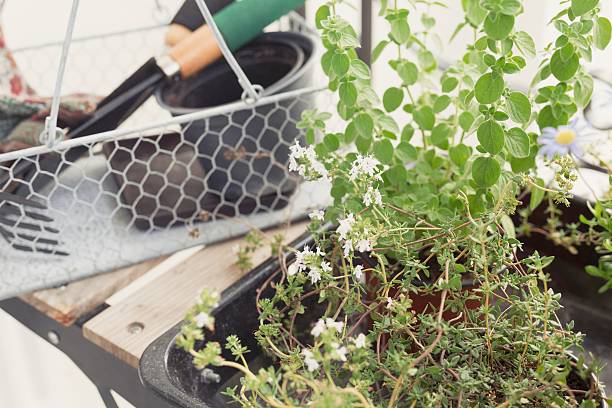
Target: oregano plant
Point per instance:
(415, 291)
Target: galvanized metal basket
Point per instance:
(178, 173)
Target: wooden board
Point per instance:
(129, 325)
(68, 303)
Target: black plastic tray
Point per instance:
(169, 371)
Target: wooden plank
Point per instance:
(126, 328)
(67, 303)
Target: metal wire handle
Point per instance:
(251, 92)
(52, 134)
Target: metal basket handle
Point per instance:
(251, 92)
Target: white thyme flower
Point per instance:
(319, 252)
(203, 320)
(364, 245)
(389, 302)
(318, 328)
(360, 341)
(345, 226)
(358, 272)
(317, 215)
(309, 360)
(372, 196)
(338, 353)
(348, 248)
(303, 160)
(331, 324)
(293, 269)
(326, 266)
(314, 275)
(364, 166)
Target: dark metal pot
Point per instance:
(245, 154)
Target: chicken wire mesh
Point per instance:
(159, 183)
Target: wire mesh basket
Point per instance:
(195, 165)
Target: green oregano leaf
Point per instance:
(485, 171)
(400, 30)
(498, 26)
(408, 72)
(322, 14)
(537, 194)
(525, 44)
(340, 64)
(393, 98)
(383, 151)
(348, 93)
(602, 33)
(378, 50)
(491, 136)
(364, 125)
(564, 68)
(583, 90)
(440, 135)
(449, 84)
(581, 7)
(466, 119)
(517, 142)
(406, 152)
(489, 88)
(442, 102)
(460, 154)
(424, 117)
(518, 107)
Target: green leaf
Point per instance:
(332, 142)
(393, 98)
(564, 69)
(407, 133)
(491, 136)
(441, 103)
(602, 33)
(460, 154)
(449, 84)
(424, 117)
(400, 30)
(406, 152)
(378, 50)
(518, 107)
(525, 44)
(383, 151)
(360, 69)
(363, 144)
(466, 119)
(321, 15)
(517, 142)
(581, 7)
(364, 125)
(498, 26)
(489, 88)
(440, 135)
(485, 171)
(524, 165)
(348, 93)
(340, 64)
(408, 72)
(583, 90)
(537, 194)
(474, 13)
(396, 175)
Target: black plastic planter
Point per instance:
(169, 371)
(245, 154)
(590, 310)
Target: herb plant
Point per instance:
(416, 297)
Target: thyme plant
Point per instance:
(416, 296)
